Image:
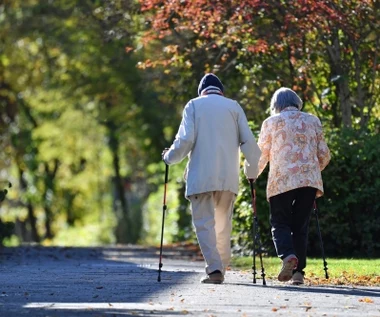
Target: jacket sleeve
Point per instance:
(265, 145)
(184, 139)
(323, 152)
(248, 146)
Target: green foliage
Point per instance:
(349, 210)
(242, 235)
(178, 226)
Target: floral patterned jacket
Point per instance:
(293, 144)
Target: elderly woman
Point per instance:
(292, 142)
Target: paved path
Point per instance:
(122, 281)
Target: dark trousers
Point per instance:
(289, 217)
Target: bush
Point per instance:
(349, 210)
(242, 235)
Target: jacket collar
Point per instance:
(211, 90)
(290, 108)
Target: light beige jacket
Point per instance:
(293, 144)
(212, 130)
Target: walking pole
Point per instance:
(163, 221)
(321, 241)
(256, 236)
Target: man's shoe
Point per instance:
(297, 278)
(288, 265)
(215, 277)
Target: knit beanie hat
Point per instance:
(210, 82)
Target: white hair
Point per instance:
(283, 98)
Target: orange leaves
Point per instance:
(345, 278)
(171, 49)
(261, 46)
(128, 49)
(218, 31)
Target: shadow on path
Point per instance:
(37, 280)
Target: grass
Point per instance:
(341, 271)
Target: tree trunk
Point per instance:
(49, 188)
(31, 217)
(123, 230)
(340, 75)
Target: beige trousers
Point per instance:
(212, 219)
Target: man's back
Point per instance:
(214, 159)
(212, 129)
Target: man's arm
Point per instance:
(184, 139)
(248, 146)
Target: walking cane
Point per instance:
(163, 221)
(256, 236)
(321, 241)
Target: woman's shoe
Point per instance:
(288, 265)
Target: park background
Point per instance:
(92, 91)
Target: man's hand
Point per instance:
(163, 153)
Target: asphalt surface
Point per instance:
(122, 281)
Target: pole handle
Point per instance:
(253, 196)
(166, 172)
(165, 184)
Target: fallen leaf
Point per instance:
(366, 300)
(274, 309)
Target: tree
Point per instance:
(70, 114)
(274, 43)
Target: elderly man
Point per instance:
(212, 130)
(293, 144)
